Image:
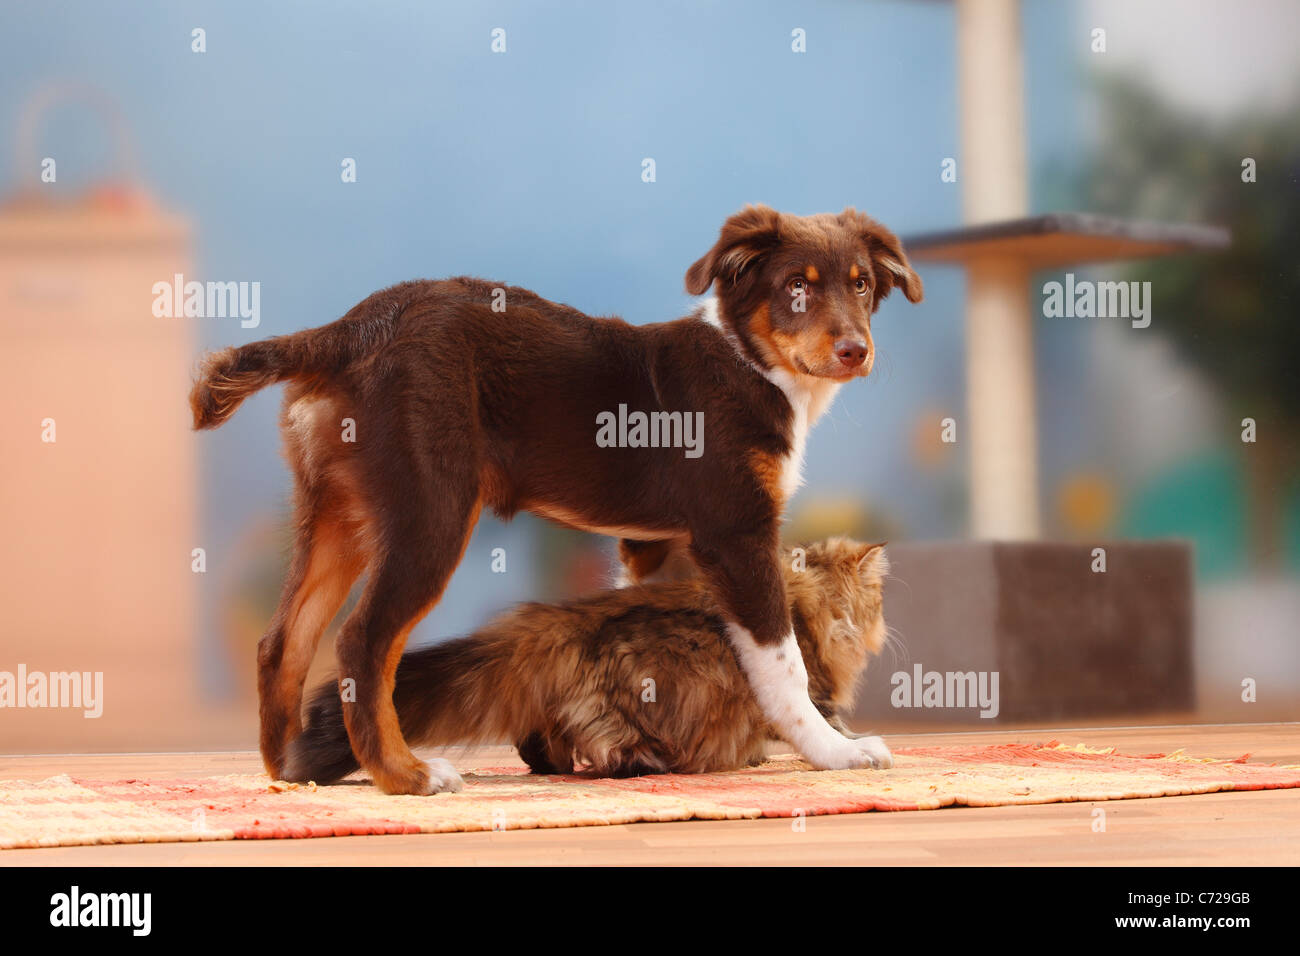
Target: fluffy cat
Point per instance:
(624, 682)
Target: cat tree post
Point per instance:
(1002, 427)
(1065, 642)
(1001, 249)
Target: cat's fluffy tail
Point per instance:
(459, 691)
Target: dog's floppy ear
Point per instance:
(887, 257)
(745, 237)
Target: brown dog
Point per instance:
(462, 393)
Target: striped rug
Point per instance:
(71, 810)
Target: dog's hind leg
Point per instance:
(427, 525)
(326, 563)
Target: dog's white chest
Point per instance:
(809, 398)
(792, 466)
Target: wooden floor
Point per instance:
(1212, 829)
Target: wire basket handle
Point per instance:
(54, 95)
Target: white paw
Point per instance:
(841, 753)
(874, 747)
(838, 753)
(443, 777)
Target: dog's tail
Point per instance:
(463, 691)
(227, 377)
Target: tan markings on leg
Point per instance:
(333, 543)
(333, 565)
(399, 770)
(769, 469)
(333, 569)
(400, 765)
(643, 558)
(656, 561)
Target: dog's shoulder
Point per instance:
(693, 357)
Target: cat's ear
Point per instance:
(873, 559)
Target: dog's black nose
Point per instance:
(851, 353)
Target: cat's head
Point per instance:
(835, 588)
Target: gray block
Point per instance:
(1065, 642)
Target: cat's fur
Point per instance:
(625, 682)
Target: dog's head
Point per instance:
(798, 291)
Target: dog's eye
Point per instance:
(797, 285)
(860, 286)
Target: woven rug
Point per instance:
(69, 811)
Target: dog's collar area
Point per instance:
(798, 390)
(710, 311)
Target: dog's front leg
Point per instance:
(777, 676)
(747, 578)
(870, 743)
